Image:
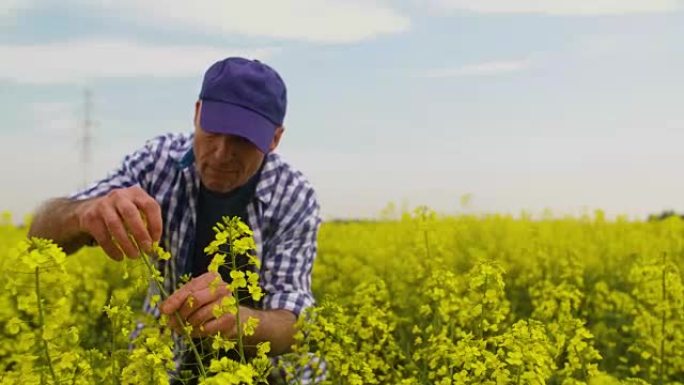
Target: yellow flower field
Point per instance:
(420, 300)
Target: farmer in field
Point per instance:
(177, 186)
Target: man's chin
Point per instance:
(218, 187)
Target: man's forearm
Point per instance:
(276, 326)
(57, 219)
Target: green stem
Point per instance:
(241, 347)
(114, 377)
(180, 321)
(584, 370)
(41, 321)
(427, 245)
(484, 305)
(661, 375)
(73, 379)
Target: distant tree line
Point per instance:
(664, 215)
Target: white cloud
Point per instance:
(82, 60)
(9, 7)
(327, 21)
(480, 69)
(561, 7)
(9, 10)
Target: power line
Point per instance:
(86, 136)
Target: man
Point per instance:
(175, 188)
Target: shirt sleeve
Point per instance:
(289, 255)
(135, 169)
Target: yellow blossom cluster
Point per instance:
(415, 299)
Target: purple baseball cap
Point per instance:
(245, 98)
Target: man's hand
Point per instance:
(111, 218)
(195, 303)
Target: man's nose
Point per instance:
(225, 147)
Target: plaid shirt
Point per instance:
(283, 214)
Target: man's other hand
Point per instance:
(120, 220)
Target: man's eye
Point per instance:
(240, 140)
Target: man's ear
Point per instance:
(276, 138)
(198, 104)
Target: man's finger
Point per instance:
(133, 221)
(152, 213)
(225, 325)
(99, 231)
(202, 315)
(118, 231)
(173, 324)
(199, 298)
(176, 300)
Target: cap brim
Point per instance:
(226, 118)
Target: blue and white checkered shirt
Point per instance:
(283, 214)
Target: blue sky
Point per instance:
(563, 104)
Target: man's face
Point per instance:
(226, 161)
